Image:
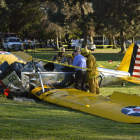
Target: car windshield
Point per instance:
(14, 40)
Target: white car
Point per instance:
(80, 42)
(90, 45)
(13, 43)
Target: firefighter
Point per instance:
(92, 76)
(60, 58)
(70, 57)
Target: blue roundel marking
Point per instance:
(131, 111)
(3, 52)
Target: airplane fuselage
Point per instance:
(109, 77)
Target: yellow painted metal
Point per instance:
(98, 105)
(131, 79)
(10, 58)
(124, 66)
(23, 55)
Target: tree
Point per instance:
(82, 17)
(116, 16)
(3, 14)
(21, 15)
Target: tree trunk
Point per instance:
(84, 28)
(85, 38)
(91, 39)
(57, 44)
(123, 47)
(133, 39)
(118, 42)
(67, 37)
(60, 36)
(114, 42)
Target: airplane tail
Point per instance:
(131, 61)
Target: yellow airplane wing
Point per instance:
(131, 79)
(23, 55)
(119, 107)
(10, 58)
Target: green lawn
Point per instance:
(44, 121)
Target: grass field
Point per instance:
(44, 121)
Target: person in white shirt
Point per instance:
(33, 45)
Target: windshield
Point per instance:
(14, 40)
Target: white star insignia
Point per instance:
(133, 110)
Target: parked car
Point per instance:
(80, 42)
(90, 45)
(13, 44)
(4, 35)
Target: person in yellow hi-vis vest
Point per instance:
(92, 76)
(60, 58)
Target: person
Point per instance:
(70, 57)
(33, 45)
(60, 58)
(78, 48)
(40, 43)
(26, 44)
(69, 43)
(92, 76)
(76, 43)
(80, 76)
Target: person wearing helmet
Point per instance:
(80, 76)
(92, 76)
(60, 58)
(70, 58)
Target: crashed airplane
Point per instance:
(23, 75)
